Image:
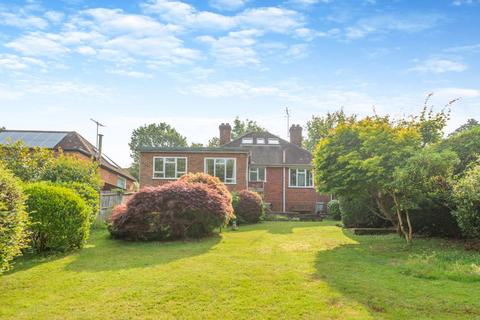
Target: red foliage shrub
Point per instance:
(248, 206)
(210, 181)
(173, 211)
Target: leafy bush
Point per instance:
(467, 198)
(26, 163)
(60, 218)
(334, 209)
(210, 181)
(356, 213)
(13, 219)
(88, 194)
(248, 206)
(71, 169)
(434, 220)
(466, 144)
(173, 211)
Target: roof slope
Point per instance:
(65, 140)
(271, 154)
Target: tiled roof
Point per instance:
(271, 154)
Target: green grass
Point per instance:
(274, 270)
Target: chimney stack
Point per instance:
(225, 133)
(296, 135)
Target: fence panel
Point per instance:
(108, 200)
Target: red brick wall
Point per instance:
(195, 163)
(294, 197)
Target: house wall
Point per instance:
(304, 199)
(195, 163)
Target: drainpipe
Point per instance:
(284, 183)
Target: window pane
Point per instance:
(230, 170)
(158, 164)
(253, 175)
(181, 165)
(261, 174)
(210, 167)
(170, 170)
(293, 177)
(310, 178)
(301, 176)
(220, 169)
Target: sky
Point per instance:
(196, 64)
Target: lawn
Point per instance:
(274, 270)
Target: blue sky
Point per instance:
(195, 64)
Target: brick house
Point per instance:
(279, 170)
(74, 144)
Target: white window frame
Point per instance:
(296, 175)
(247, 140)
(260, 140)
(273, 141)
(233, 179)
(250, 170)
(178, 174)
(124, 182)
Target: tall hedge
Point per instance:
(174, 211)
(13, 219)
(60, 218)
(467, 198)
(248, 206)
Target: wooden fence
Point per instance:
(108, 200)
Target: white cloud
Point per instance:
(38, 44)
(54, 16)
(464, 2)
(472, 48)
(297, 51)
(236, 48)
(22, 19)
(382, 24)
(438, 65)
(228, 4)
(18, 63)
(448, 94)
(86, 51)
(271, 19)
(231, 89)
(131, 74)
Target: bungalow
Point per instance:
(72, 143)
(281, 171)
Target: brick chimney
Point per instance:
(225, 133)
(296, 135)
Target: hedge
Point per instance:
(13, 219)
(88, 194)
(174, 211)
(60, 218)
(334, 209)
(248, 207)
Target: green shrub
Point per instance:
(248, 207)
(173, 211)
(88, 194)
(334, 209)
(467, 198)
(13, 219)
(356, 213)
(60, 219)
(71, 169)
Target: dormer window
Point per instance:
(247, 140)
(260, 141)
(273, 141)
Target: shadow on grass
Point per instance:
(392, 280)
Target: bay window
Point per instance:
(169, 167)
(222, 168)
(301, 178)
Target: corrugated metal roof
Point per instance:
(42, 139)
